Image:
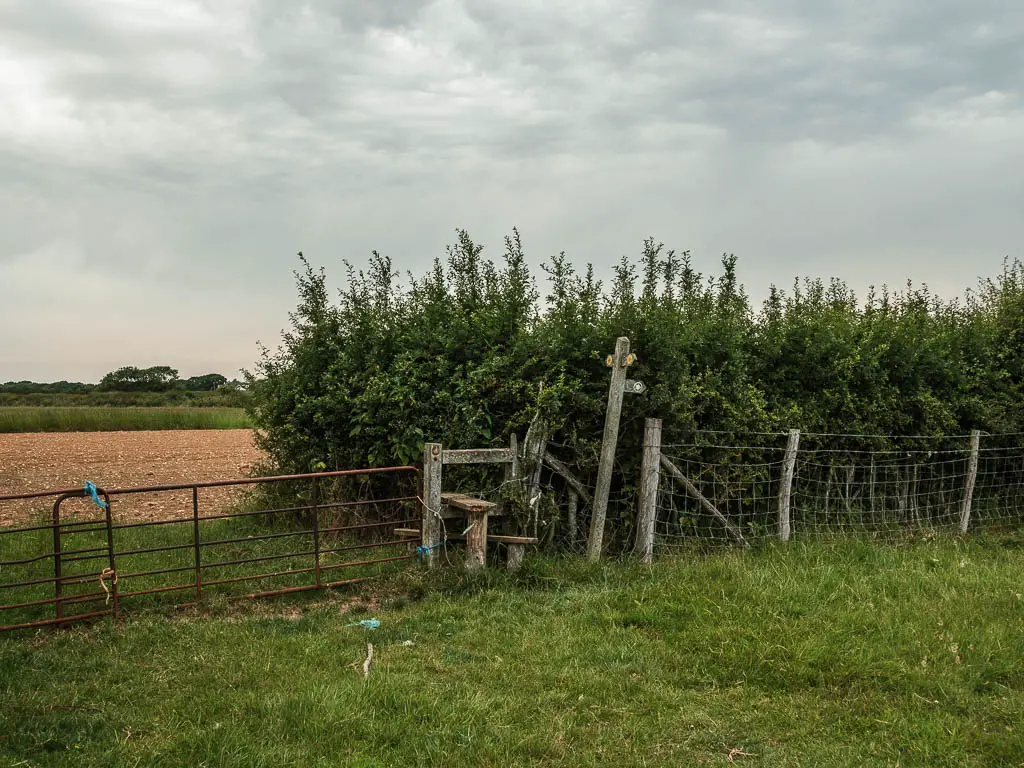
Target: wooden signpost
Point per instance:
(620, 385)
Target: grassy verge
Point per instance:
(814, 654)
(104, 419)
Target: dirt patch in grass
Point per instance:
(45, 461)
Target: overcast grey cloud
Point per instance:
(161, 163)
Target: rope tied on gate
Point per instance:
(103, 580)
(93, 491)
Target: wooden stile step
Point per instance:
(415, 533)
(513, 539)
(468, 503)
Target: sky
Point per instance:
(162, 163)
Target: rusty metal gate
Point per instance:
(95, 551)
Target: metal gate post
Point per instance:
(58, 586)
(110, 552)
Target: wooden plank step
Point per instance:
(513, 539)
(415, 533)
(467, 503)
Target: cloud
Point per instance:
(189, 149)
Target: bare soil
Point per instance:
(46, 461)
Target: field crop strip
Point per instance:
(102, 419)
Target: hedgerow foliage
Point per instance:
(468, 352)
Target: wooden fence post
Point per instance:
(534, 447)
(972, 475)
(786, 486)
(571, 523)
(619, 361)
(650, 474)
(433, 454)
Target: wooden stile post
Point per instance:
(512, 472)
(786, 486)
(433, 454)
(972, 475)
(476, 540)
(513, 475)
(534, 448)
(619, 362)
(650, 474)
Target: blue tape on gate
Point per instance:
(91, 490)
(422, 552)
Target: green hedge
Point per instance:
(465, 353)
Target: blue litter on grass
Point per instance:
(366, 624)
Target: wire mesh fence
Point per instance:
(733, 490)
(721, 492)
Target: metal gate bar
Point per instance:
(112, 595)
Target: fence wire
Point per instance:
(717, 492)
(729, 494)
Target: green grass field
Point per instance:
(108, 419)
(847, 653)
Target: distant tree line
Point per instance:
(130, 386)
(53, 388)
(158, 378)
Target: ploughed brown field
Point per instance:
(44, 461)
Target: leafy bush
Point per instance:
(468, 352)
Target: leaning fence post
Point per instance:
(972, 474)
(786, 486)
(650, 473)
(618, 362)
(431, 503)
